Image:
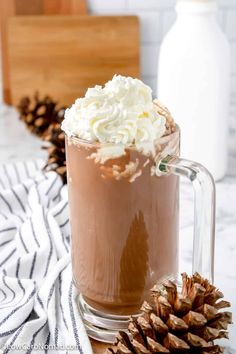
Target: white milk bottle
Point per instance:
(193, 81)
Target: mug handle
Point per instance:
(204, 210)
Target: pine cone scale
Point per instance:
(179, 322)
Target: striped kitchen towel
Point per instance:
(38, 312)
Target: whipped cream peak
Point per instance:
(121, 112)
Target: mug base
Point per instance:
(99, 325)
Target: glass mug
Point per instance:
(124, 216)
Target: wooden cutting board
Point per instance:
(64, 55)
(10, 8)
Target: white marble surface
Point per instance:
(17, 144)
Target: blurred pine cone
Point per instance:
(38, 114)
(56, 150)
(183, 322)
(43, 117)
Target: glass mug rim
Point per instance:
(162, 140)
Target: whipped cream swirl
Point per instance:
(122, 113)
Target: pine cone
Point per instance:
(184, 322)
(56, 150)
(38, 114)
(42, 117)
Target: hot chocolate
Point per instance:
(124, 233)
(123, 212)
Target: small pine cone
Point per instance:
(185, 322)
(56, 150)
(38, 114)
(42, 117)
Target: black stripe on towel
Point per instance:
(15, 310)
(31, 346)
(34, 234)
(5, 217)
(21, 219)
(4, 294)
(64, 223)
(22, 241)
(19, 200)
(56, 337)
(17, 276)
(37, 191)
(14, 339)
(9, 256)
(40, 301)
(64, 242)
(51, 185)
(11, 331)
(16, 172)
(73, 321)
(7, 203)
(61, 308)
(8, 287)
(21, 286)
(8, 229)
(6, 174)
(58, 193)
(5, 243)
(17, 267)
(47, 343)
(61, 210)
(25, 188)
(26, 169)
(50, 243)
(35, 334)
(52, 288)
(33, 265)
(56, 197)
(50, 293)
